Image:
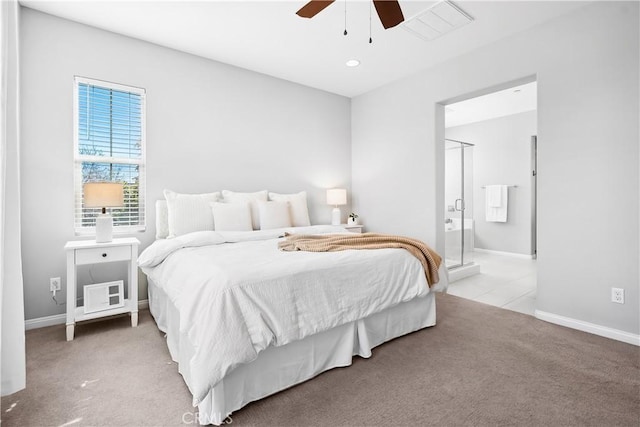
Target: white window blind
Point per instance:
(109, 145)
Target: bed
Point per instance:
(244, 320)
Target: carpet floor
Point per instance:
(479, 366)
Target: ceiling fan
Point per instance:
(388, 10)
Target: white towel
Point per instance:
(496, 201)
(494, 196)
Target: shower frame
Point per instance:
(461, 207)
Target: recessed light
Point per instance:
(352, 63)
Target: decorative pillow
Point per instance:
(231, 216)
(252, 198)
(274, 215)
(297, 205)
(189, 212)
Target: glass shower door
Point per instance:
(458, 203)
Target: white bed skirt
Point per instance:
(278, 368)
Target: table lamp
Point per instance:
(103, 195)
(336, 197)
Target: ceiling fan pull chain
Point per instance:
(345, 17)
(370, 39)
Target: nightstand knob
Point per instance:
(104, 255)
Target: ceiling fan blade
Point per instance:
(389, 12)
(312, 8)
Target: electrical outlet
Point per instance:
(54, 284)
(617, 295)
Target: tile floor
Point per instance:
(504, 281)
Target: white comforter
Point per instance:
(237, 294)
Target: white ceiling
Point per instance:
(514, 100)
(268, 37)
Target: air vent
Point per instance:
(439, 19)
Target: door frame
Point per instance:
(534, 196)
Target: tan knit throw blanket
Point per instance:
(429, 259)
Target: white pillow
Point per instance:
(231, 216)
(252, 198)
(297, 206)
(274, 215)
(162, 219)
(189, 212)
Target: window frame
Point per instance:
(79, 159)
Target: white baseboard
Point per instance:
(511, 254)
(61, 319)
(43, 322)
(603, 331)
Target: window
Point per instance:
(109, 145)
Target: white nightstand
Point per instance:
(353, 228)
(82, 252)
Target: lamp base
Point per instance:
(104, 228)
(335, 216)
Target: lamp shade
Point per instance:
(337, 196)
(103, 195)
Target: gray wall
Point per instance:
(587, 66)
(210, 127)
(502, 155)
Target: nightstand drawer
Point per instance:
(98, 255)
(354, 228)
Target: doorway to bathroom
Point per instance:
(490, 197)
